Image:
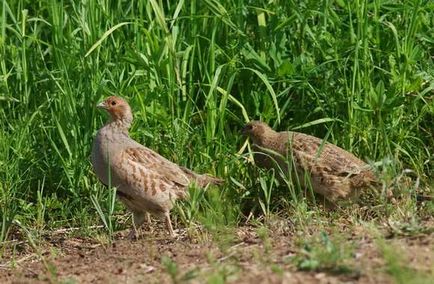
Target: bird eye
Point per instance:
(113, 103)
(249, 127)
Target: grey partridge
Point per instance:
(145, 181)
(334, 173)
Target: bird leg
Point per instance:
(138, 220)
(169, 224)
(148, 218)
(148, 222)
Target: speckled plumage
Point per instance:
(334, 172)
(145, 181)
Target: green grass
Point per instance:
(397, 266)
(321, 253)
(194, 72)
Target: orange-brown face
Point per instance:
(254, 129)
(117, 107)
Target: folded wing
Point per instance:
(144, 170)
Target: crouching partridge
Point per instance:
(334, 173)
(145, 181)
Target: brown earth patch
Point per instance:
(247, 256)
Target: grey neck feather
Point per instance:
(123, 123)
(269, 137)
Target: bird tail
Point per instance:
(365, 178)
(205, 180)
(202, 180)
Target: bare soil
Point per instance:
(243, 255)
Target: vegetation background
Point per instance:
(358, 72)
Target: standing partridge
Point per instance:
(145, 181)
(334, 172)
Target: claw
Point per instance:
(132, 235)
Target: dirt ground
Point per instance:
(246, 256)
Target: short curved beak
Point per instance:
(244, 131)
(101, 105)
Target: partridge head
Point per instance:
(257, 131)
(118, 109)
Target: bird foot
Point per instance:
(132, 235)
(174, 235)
